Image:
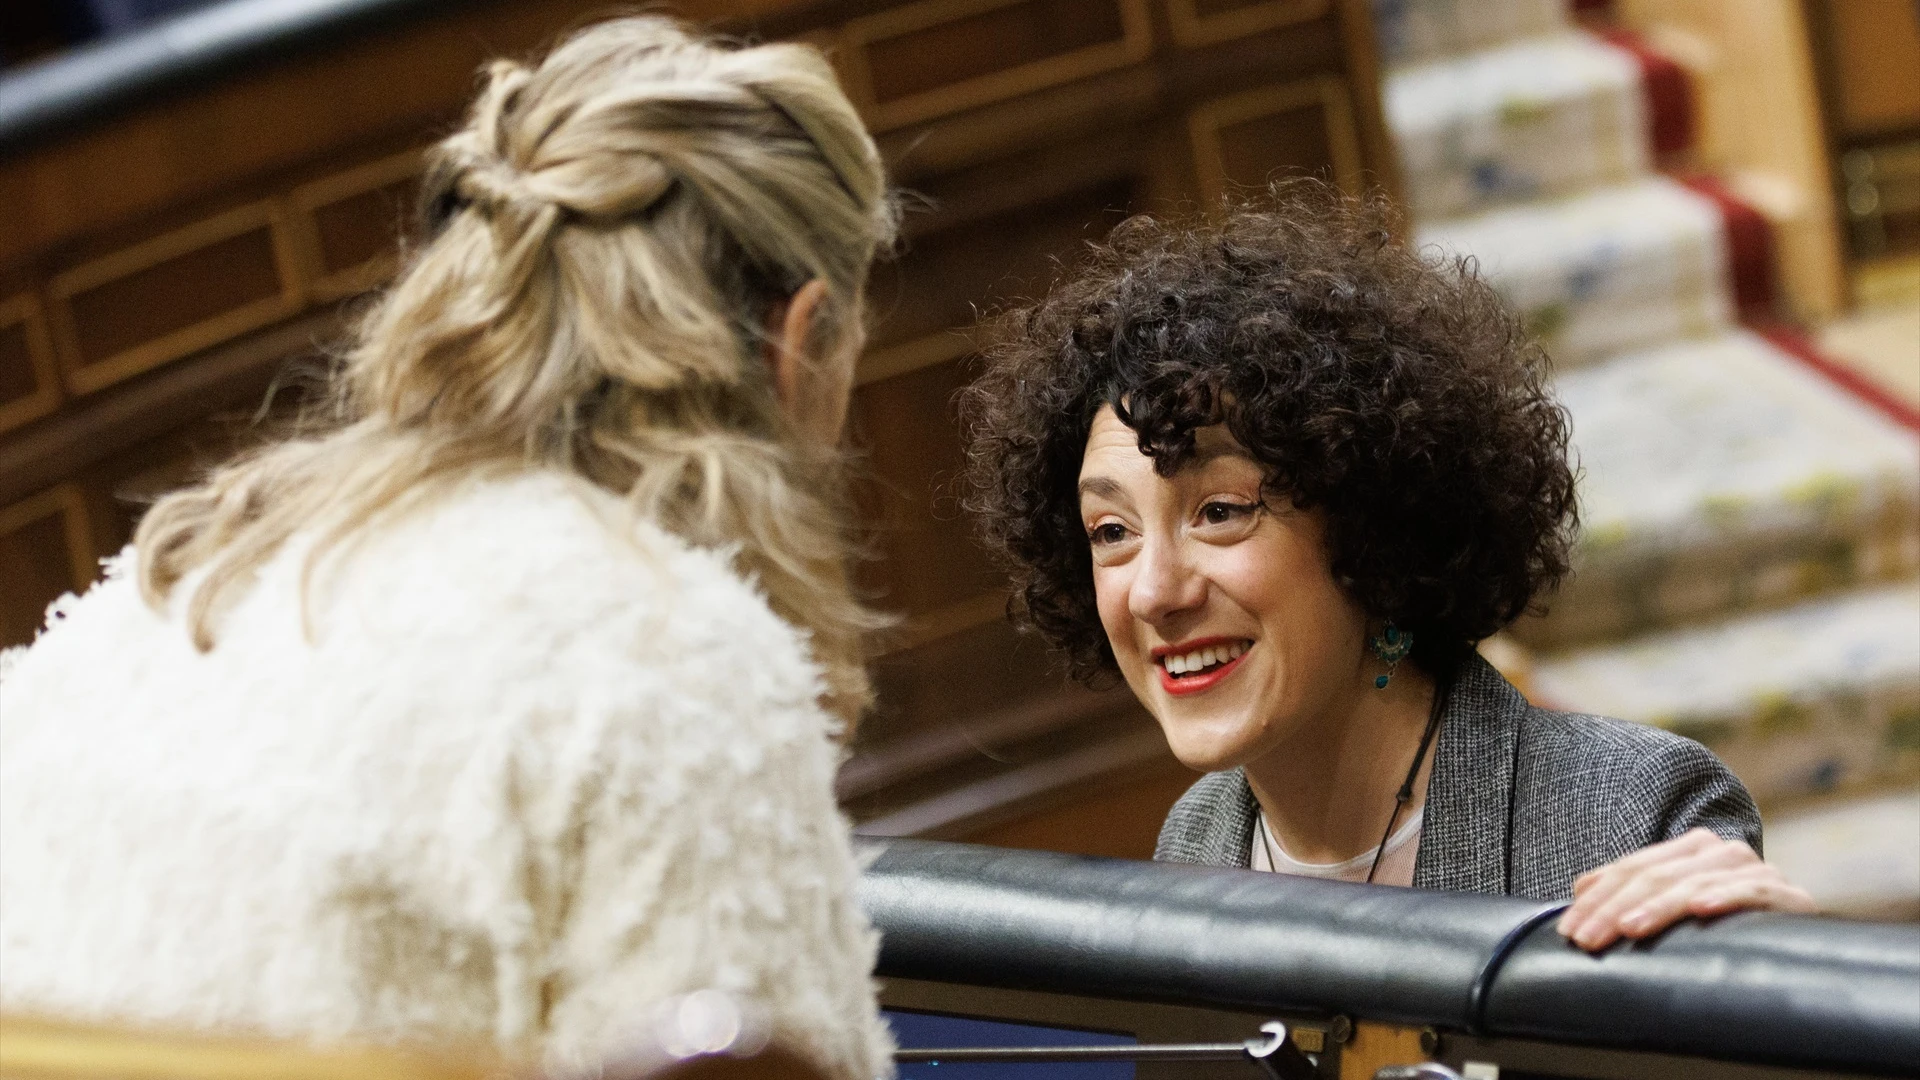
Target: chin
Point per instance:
(1206, 749)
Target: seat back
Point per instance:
(33, 1048)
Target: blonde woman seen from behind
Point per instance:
(507, 705)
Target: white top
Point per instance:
(1396, 864)
(532, 771)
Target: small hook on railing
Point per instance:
(1277, 1055)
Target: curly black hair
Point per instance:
(1389, 390)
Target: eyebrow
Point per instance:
(1101, 486)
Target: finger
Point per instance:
(1596, 887)
(1604, 884)
(1759, 888)
(1653, 899)
(1601, 925)
(1662, 909)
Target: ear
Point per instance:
(784, 347)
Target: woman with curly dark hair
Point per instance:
(1282, 474)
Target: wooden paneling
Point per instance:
(907, 427)
(927, 59)
(349, 224)
(1876, 66)
(1203, 22)
(174, 295)
(946, 279)
(1252, 138)
(987, 685)
(46, 548)
(51, 542)
(236, 375)
(1378, 1046)
(1120, 820)
(29, 381)
(903, 416)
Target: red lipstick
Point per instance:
(1183, 685)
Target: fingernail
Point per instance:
(1636, 922)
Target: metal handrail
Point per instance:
(1272, 1050)
(1751, 987)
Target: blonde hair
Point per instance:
(613, 226)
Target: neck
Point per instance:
(1327, 793)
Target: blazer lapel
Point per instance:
(1232, 842)
(1466, 837)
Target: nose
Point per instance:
(1165, 585)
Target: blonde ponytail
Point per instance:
(610, 229)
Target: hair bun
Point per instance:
(494, 187)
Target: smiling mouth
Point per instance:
(1201, 665)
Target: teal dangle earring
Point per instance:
(1392, 645)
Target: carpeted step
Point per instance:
(1539, 118)
(1411, 31)
(1603, 272)
(1797, 701)
(1720, 475)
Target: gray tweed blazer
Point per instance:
(1522, 800)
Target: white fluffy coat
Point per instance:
(526, 771)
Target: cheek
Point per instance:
(1287, 588)
(1110, 595)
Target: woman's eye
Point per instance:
(1219, 513)
(1111, 532)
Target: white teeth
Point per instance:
(1200, 659)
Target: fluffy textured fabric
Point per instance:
(1521, 801)
(528, 771)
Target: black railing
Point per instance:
(62, 92)
(1756, 987)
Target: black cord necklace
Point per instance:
(1405, 794)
